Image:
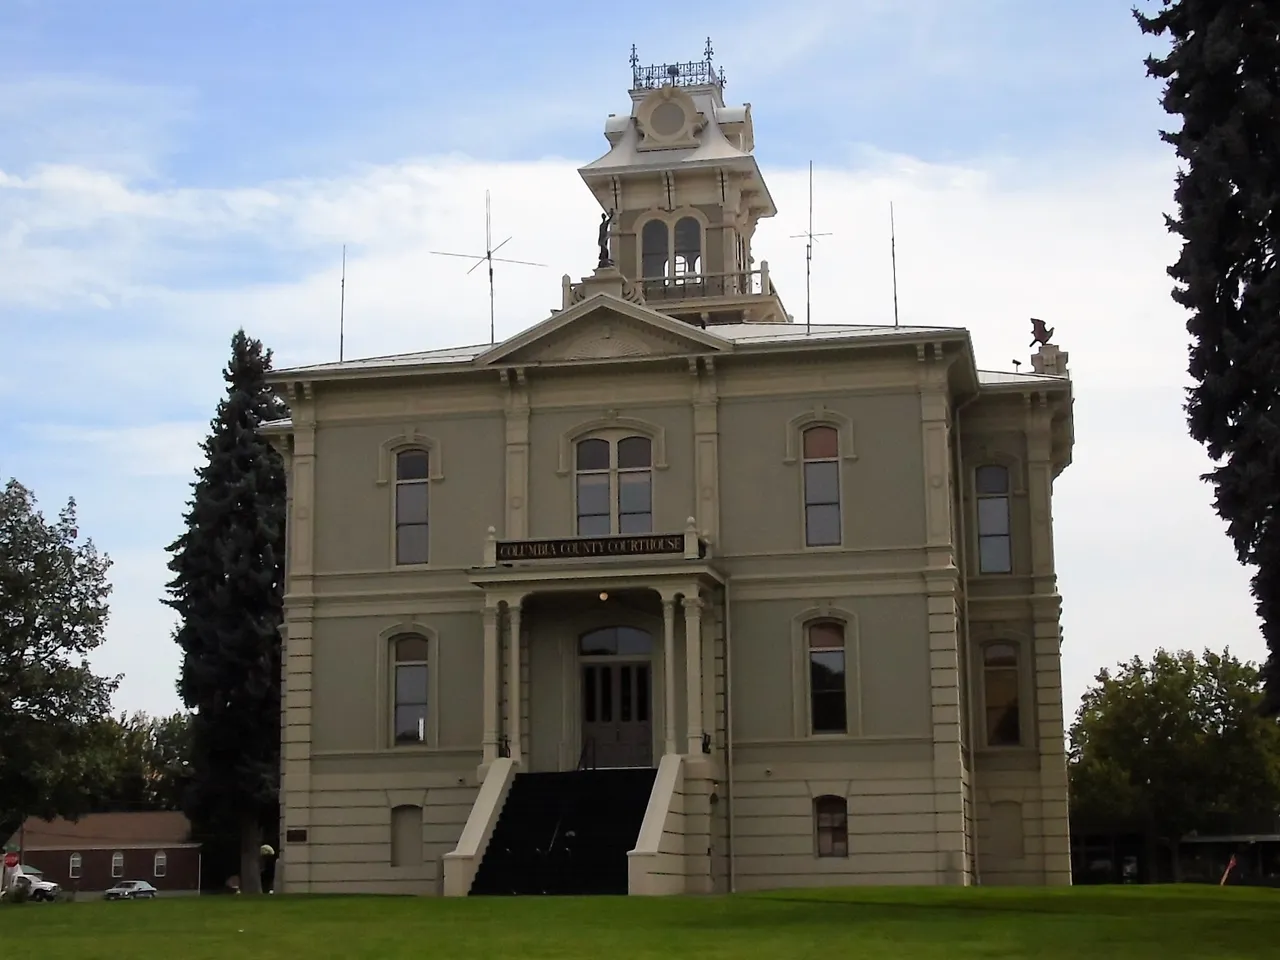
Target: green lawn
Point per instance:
(1083, 923)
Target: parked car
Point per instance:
(38, 888)
(131, 890)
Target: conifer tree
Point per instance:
(1222, 78)
(228, 592)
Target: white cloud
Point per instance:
(1142, 559)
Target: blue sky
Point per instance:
(169, 171)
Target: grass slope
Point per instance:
(1095, 922)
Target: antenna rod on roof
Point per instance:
(893, 260)
(342, 305)
(809, 236)
(488, 258)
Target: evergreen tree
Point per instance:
(1222, 77)
(228, 591)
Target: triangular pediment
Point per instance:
(604, 327)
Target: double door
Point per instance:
(617, 715)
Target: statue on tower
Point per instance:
(606, 221)
(1040, 334)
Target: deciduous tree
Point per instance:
(54, 748)
(228, 591)
(1222, 78)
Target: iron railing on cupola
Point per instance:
(692, 73)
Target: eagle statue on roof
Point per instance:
(1040, 333)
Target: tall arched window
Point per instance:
(1000, 686)
(654, 249)
(410, 688)
(614, 486)
(828, 686)
(991, 484)
(73, 866)
(117, 865)
(831, 824)
(688, 248)
(412, 482)
(821, 486)
(160, 864)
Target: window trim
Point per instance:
(410, 439)
(613, 437)
(816, 813)
(802, 708)
(117, 865)
(160, 864)
(976, 514)
(384, 717)
(74, 864)
(1019, 646)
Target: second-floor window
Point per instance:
(821, 486)
(614, 486)
(1000, 694)
(995, 554)
(412, 484)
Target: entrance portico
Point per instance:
(582, 664)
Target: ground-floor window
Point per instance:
(831, 819)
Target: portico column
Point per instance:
(513, 678)
(490, 700)
(693, 670)
(669, 670)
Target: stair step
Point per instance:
(566, 833)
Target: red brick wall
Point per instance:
(182, 872)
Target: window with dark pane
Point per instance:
(654, 242)
(412, 483)
(821, 486)
(995, 553)
(410, 689)
(831, 823)
(828, 689)
(593, 488)
(635, 485)
(688, 259)
(1000, 695)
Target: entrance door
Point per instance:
(617, 716)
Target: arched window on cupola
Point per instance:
(654, 249)
(688, 258)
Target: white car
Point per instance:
(131, 890)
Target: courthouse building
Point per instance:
(669, 593)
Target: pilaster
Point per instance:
(945, 706)
(514, 685)
(706, 453)
(935, 428)
(1047, 653)
(669, 673)
(296, 635)
(517, 454)
(490, 687)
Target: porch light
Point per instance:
(604, 595)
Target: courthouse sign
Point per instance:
(582, 548)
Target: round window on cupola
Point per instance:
(667, 119)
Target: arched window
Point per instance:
(828, 687)
(1000, 682)
(161, 865)
(614, 486)
(654, 250)
(412, 481)
(73, 866)
(117, 865)
(406, 836)
(991, 484)
(615, 642)
(688, 248)
(831, 824)
(821, 486)
(410, 688)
